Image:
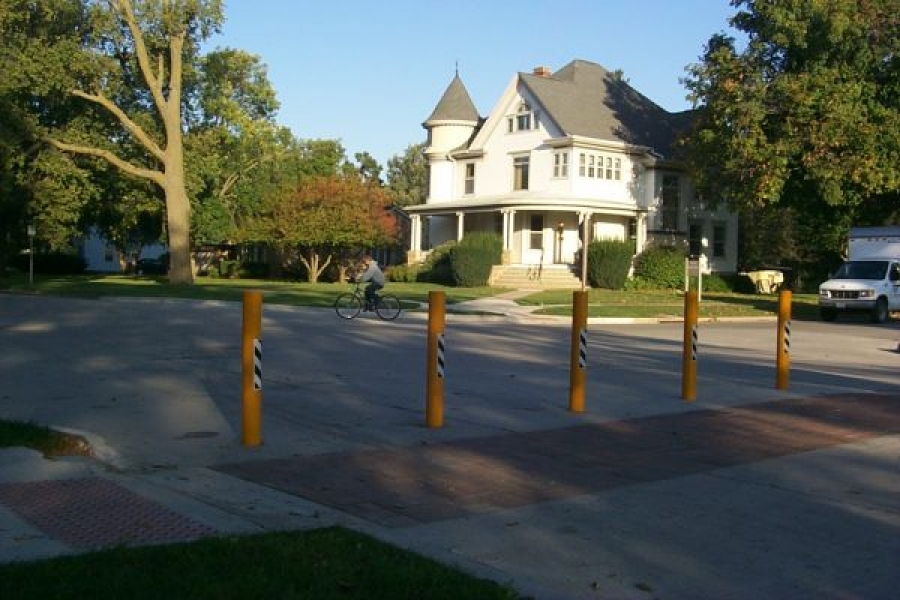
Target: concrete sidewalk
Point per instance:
(749, 493)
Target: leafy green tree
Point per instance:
(407, 176)
(805, 117)
(146, 50)
(368, 168)
(232, 143)
(323, 158)
(39, 51)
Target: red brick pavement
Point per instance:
(402, 486)
(91, 513)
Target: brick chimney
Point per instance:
(542, 72)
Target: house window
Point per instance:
(536, 237)
(469, 187)
(109, 252)
(671, 200)
(561, 164)
(617, 170)
(718, 240)
(609, 170)
(520, 172)
(591, 165)
(582, 161)
(695, 238)
(524, 120)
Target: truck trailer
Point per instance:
(869, 281)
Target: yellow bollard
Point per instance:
(783, 351)
(251, 393)
(434, 361)
(578, 351)
(689, 353)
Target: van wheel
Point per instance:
(880, 312)
(828, 313)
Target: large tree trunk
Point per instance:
(178, 207)
(178, 219)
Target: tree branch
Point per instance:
(127, 167)
(132, 127)
(143, 55)
(233, 178)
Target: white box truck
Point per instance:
(869, 280)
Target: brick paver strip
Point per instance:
(407, 485)
(93, 513)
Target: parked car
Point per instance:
(153, 266)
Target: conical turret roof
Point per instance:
(455, 105)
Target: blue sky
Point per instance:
(369, 73)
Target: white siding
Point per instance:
(442, 177)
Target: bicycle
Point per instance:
(349, 304)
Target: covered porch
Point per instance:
(536, 232)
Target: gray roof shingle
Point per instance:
(585, 99)
(455, 105)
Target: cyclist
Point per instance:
(375, 278)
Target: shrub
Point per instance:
(609, 262)
(637, 283)
(53, 263)
(402, 273)
(471, 266)
(228, 269)
(661, 266)
(717, 283)
(491, 243)
(254, 270)
(472, 259)
(436, 268)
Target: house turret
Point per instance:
(453, 120)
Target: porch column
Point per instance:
(585, 220)
(415, 239)
(641, 234)
(460, 221)
(509, 221)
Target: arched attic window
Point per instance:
(525, 119)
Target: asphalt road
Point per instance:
(155, 384)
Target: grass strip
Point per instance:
(204, 288)
(43, 439)
(323, 564)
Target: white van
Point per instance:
(870, 280)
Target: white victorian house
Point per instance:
(562, 156)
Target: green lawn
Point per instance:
(670, 304)
(274, 292)
(324, 564)
(602, 303)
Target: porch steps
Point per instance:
(543, 277)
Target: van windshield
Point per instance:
(863, 269)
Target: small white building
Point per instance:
(102, 256)
(559, 156)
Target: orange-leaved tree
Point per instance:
(324, 216)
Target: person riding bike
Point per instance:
(375, 278)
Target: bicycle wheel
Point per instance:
(347, 305)
(388, 307)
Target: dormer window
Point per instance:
(525, 119)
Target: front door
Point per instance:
(533, 251)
